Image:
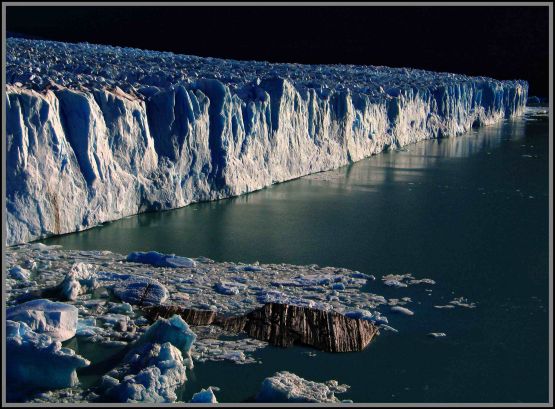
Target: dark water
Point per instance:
(469, 212)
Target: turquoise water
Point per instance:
(469, 212)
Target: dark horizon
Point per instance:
(502, 42)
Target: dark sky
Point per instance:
(500, 42)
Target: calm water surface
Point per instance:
(469, 212)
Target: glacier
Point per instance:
(96, 133)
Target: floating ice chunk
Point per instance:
(117, 321)
(234, 356)
(36, 361)
(252, 269)
(401, 310)
(154, 367)
(44, 247)
(462, 302)
(287, 387)
(437, 334)
(80, 279)
(394, 283)
(123, 308)
(55, 319)
(375, 317)
(404, 280)
(422, 281)
(87, 328)
(360, 315)
(204, 396)
(30, 264)
(70, 289)
(439, 307)
(141, 291)
(107, 276)
(150, 373)
(160, 260)
(174, 330)
(228, 288)
(358, 274)
(272, 296)
(18, 273)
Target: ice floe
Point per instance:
(55, 319)
(287, 387)
(35, 360)
(204, 396)
(113, 292)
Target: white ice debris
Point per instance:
(375, 316)
(204, 396)
(173, 330)
(287, 387)
(404, 280)
(155, 367)
(55, 319)
(437, 334)
(457, 302)
(401, 310)
(111, 122)
(79, 280)
(37, 361)
(110, 322)
(229, 288)
(150, 373)
(18, 273)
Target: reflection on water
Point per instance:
(211, 226)
(469, 212)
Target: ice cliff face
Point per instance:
(97, 133)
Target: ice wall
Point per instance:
(83, 149)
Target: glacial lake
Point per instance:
(469, 212)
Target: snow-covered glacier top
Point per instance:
(36, 64)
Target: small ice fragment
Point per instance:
(160, 260)
(204, 396)
(18, 273)
(287, 387)
(401, 310)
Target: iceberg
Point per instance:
(55, 319)
(149, 374)
(204, 396)
(18, 273)
(287, 387)
(154, 367)
(173, 330)
(401, 310)
(96, 133)
(37, 361)
(160, 260)
(80, 279)
(140, 291)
